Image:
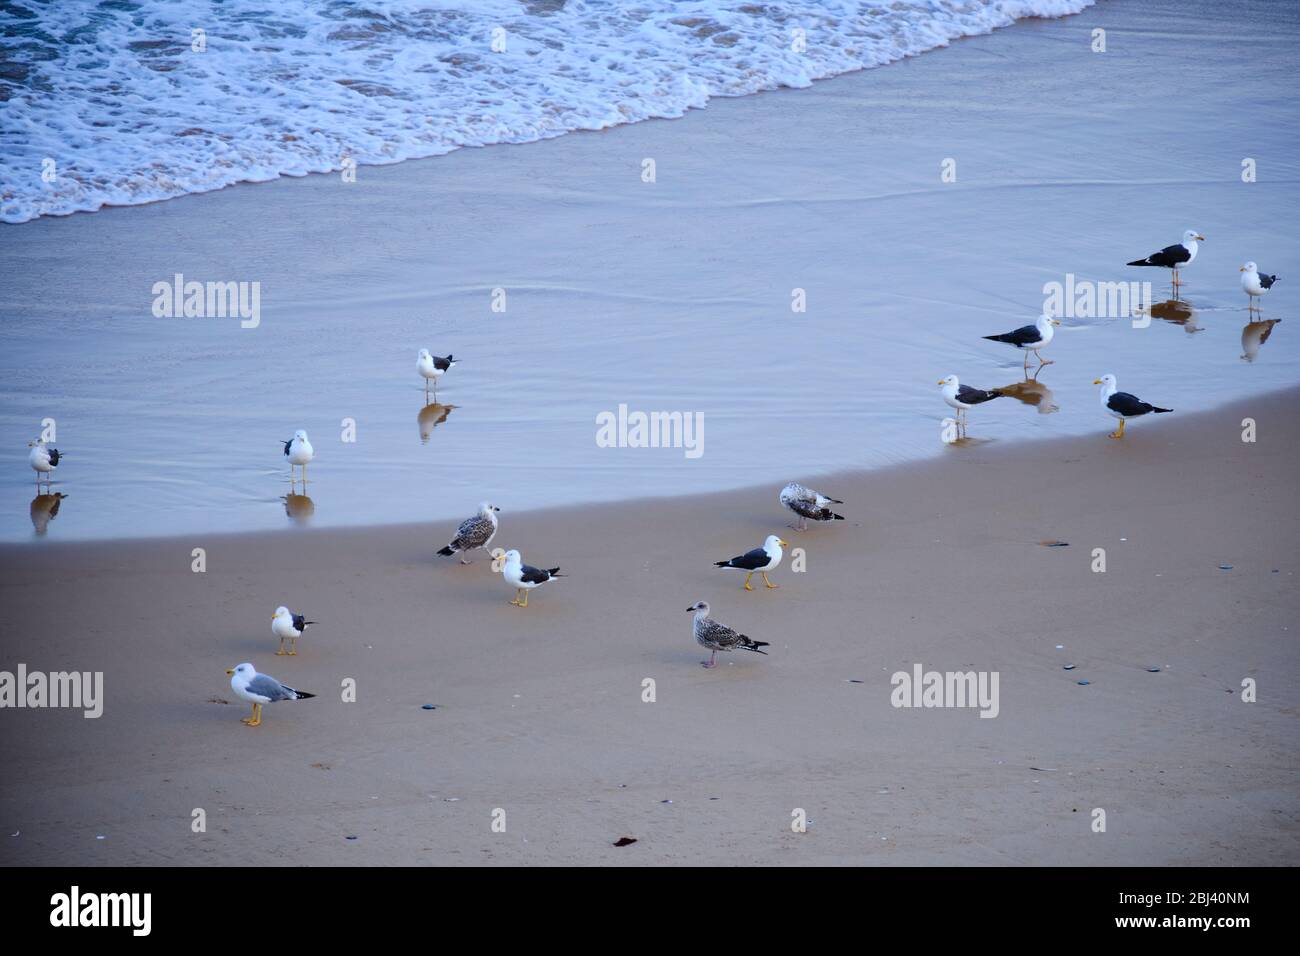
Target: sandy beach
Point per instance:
(539, 712)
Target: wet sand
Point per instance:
(540, 712)
(669, 296)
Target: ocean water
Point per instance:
(670, 296)
(120, 102)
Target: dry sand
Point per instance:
(540, 712)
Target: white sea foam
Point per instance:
(128, 112)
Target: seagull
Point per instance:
(432, 367)
(474, 532)
(1255, 283)
(525, 577)
(715, 637)
(1031, 338)
(1121, 404)
(962, 397)
(287, 625)
(807, 503)
(299, 451)
(43, 460)
(259, 689)
(1171, 257)
(759, 561)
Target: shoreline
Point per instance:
(540, 711)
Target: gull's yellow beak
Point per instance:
(1096, 381)
(940, 382)
(230, 671)
(1056, 321)
(784, 544)
(1200, 237)
(1242, 269)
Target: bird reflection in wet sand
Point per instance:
(299, 508)
(1031, 392)
(430, 417)
(1177, 312)
(1253, 336)
(45, 508)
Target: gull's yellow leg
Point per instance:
(293, 647)
(1119, 432)
(280, 652)
(525, 604)
(515, 599)
(767, 582)
(249, 719)
(257, 715)
(747, 577)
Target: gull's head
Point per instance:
(424, 354)
(1045, 320)
(486, 508)
(1191, 235)
(34, 442)
(243, 670)
(1249, 267)
(1106, 380)
(774, 541)
(700, 607)
(300, 435)
(513, 557)
(949, 382)
(280, 612)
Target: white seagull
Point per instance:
(476, 531)
(43, 460)
(1255, 283)
(1171, 257)
(759, 561)
(299, 451)
(288, 626)
(1122, 405)
(259, 689)
(963, 397)
(524, 577)
(714, 637)
(1031, 338)
(432, 368)
(807, 503)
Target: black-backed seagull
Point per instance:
(432, 367)
(288, 626)
(43, 460)
(299, 451)
(474, 532)
(758, 561)
(1122, 405)
(1171, 257)
(525, 577)
(1031, 338)
(259, 689)
(963, 397)
(1255, 283)
(809, 504)
(715, 637)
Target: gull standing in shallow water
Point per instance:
(474, 532)
(714, 637)
(432, 368)
(807, 503)
(1122, 405)
(962, 397)
(1255, 284)
(43, 460)
(1031, 338)
(524, 577)
(299, 451)
(759, 561)
(259, 689)
(1171, 257)
(288, 626)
